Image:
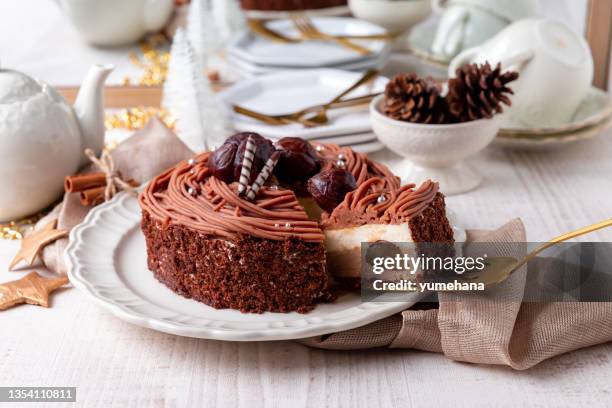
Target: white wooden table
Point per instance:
(115, 364)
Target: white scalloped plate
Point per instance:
(107, 260)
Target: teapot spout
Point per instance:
(89, 108)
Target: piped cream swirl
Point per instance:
(377, 200)
(189, 196)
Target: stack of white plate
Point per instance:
(292, 91)
(250, 54)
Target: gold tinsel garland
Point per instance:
(14, 230)
(154, 61)
(136, 118)
(154, 64)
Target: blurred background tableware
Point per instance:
(117, 22)
(462, 24)
(548, 142)
(397, 16)
(42, 138)
(274, 94)
(435, 152)
(274, 9)
(555, 66)
(592, 118)
(252, 53)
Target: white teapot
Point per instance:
(42, 138)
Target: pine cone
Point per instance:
(413, 99)
(478, 91)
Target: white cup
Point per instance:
(463, 27)
(555, 66)
(116, 22)
(468, 23)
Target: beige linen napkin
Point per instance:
(142, 156)
(481, 328)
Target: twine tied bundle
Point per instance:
(114, 182)
(95, 188)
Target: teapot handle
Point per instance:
(464, 57)
(157, 13)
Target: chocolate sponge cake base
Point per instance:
(249, 274)
(432, 224)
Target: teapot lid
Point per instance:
(16, 86)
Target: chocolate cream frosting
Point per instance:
(188, 195)
(378, 201)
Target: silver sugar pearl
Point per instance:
(191, 162)
(276, 226)
(341, 164)
(192, 171)
(192, 191)
(319, 148)
(274, 187)
(381, 199)
(340, 156)
(287, 226)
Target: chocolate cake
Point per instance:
(266, 247)
(290, 5)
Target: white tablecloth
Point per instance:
(115, 364)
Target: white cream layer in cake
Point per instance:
(343, 245)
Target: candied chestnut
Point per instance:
(298, 160)
(329, 187)
(224, 163)
(238, 138)
(263, 150)
(221, 162)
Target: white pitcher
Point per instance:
(117, 22)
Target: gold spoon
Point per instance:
(501, 268)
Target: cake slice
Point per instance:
(206, 243)
(377, 211)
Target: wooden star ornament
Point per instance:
(34, 243)
(33, 289)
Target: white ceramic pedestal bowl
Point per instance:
(435, 152)
(396, 16)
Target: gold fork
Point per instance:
(260, 28)
(500, 268)
(309, 31)
(297, 117)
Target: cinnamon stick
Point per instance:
(81, 182)
(92, 196)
